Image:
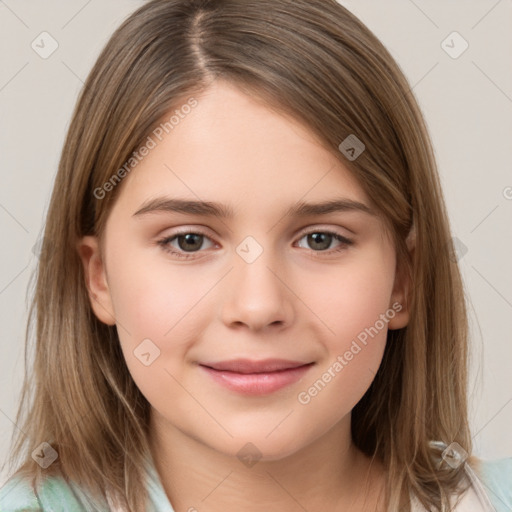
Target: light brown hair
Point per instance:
(315, 61)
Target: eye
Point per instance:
(320, 241)
(191, 242)
(188, 242)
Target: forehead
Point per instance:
(235, 150)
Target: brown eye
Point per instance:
(190, 241)
(319, 241)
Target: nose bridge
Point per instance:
(256, 295)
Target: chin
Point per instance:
(251, 449)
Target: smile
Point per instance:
(257, 382)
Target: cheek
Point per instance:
(336, 387)
(354, 303)
(353, 356)
(351, 298)
(159, 312)
(154, 300)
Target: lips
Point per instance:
(252, 366)
(248, 377)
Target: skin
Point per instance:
(293, 302)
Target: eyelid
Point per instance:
(186, 231)
(315, 228)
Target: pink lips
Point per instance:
(256, 377)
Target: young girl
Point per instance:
(262, 368)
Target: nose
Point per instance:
(257, 295)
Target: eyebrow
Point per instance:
(211, 209)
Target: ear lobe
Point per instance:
(400, 296)
(95, 279)
(399, 304)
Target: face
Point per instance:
(190, 289)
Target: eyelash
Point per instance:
(164, 243)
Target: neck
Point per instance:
(330, 472)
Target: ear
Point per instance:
(96, 279)
(400, 295)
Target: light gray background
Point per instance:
(467, 103)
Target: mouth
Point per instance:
(256, 377)
(253, 366)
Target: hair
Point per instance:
(317, 62)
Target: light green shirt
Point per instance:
(56, 495)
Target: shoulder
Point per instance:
(17, 494)
(496, 477)
(54, 494)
